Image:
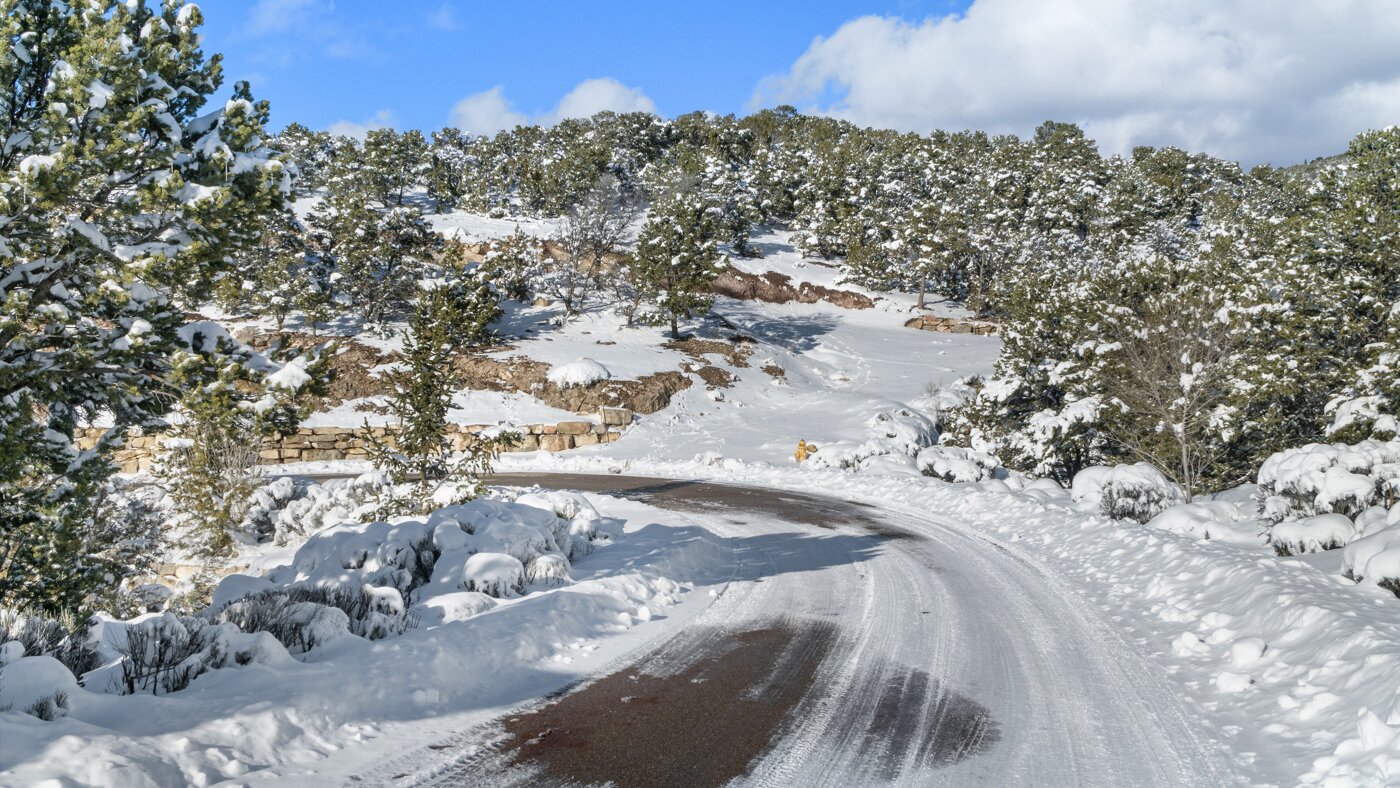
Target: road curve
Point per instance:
(853, 647)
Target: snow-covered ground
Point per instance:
(1294, 668)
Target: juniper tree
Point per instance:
(120, 203)
(676, 256)
(393, 163)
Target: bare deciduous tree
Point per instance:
(1169, 375)
(593, 230)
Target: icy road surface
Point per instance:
(851, 647)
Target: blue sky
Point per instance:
(1251, 80)
(323, 62)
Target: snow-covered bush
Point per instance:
(301, 625)
(163, 653)
(901, 431)
(1126, 492)
(1374, 557)
(64, 638)
(322, 505)
(956, 464)
(37, 685)
(583, 372)
(380, 576)
(494, 574)
(1323, 479)
(1311, 534)
(1220, 521)
(266, 504)
(581, 516)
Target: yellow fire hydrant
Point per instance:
(804, 450)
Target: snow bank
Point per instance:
(898, 433)
(1221, 521)
(583, 372)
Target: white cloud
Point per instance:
(383, 119)
(490, 111)
(486, 113)
(592, 96)
(277, 16)
(1256, 80)
(444, 18)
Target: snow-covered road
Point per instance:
(851, 647)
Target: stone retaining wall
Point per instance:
(349, 443)
(952, 325)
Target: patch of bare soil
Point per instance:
(736, 354)
(775, 288)
(774, 371)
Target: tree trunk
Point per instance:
(923, 288)
(675, 332)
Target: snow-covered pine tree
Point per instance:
(227, 406)
(309, 152)
(120, 201)
(394, 164)
(676, 256)
(379, 256)
(445, 318)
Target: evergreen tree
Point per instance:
(393, 163)
(119, 201)
(676, 256)
(444, 319)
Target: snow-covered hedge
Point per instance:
(584, 372)
(1126, 492)
(1325, 479)
(381, 576)
(1374, 557)
(1311, 534)
(955, 464)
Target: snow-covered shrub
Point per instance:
(1374, 557)
(36, 685)
(266, 504)
(548, 570)
(1220, 521)
(298, 625)
(1322, 479)
(63, 638)
(164, 653)
(581, 517)
(322, 505)
(583, 372)
(1126, 492)
(901, 431)
(955, 464)
(1311, 534)
(494, 574)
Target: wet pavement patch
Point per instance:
(701, 723)
(920, 724)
